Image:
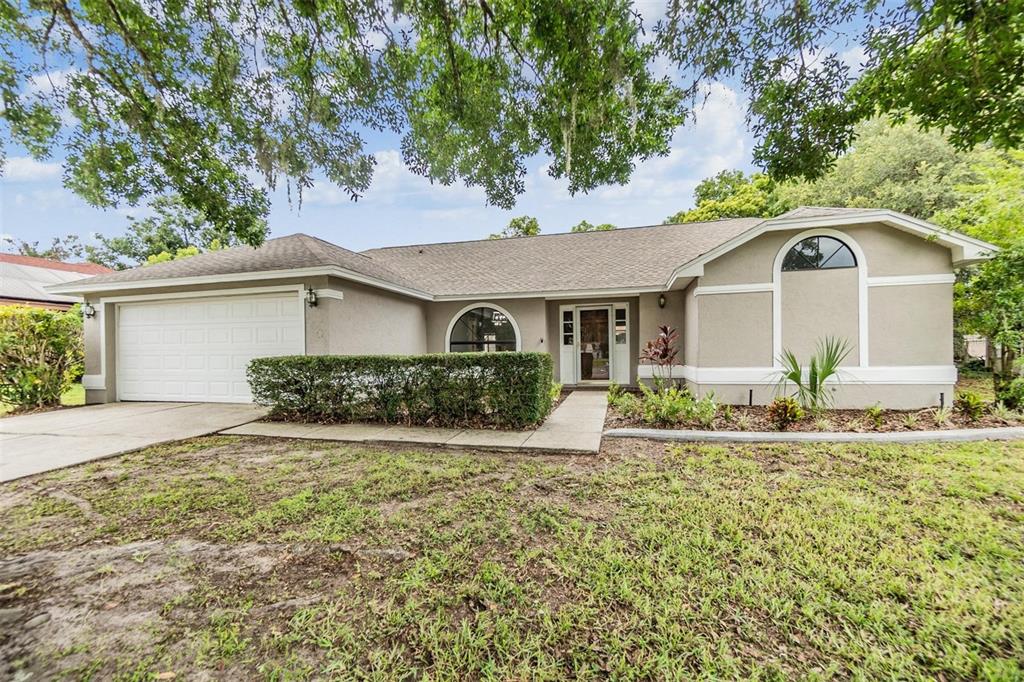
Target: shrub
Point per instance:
(811, 388)
(556, 391)
(784, 411)
(629, 405)
(876, 414)
(942, 415)
(666, 405)
(41, 354)
(705, 410)
(971, 404)
(614, 393)
(1012, 393)
(450, 389)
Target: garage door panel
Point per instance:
(198, 350)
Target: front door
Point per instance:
(595, 361)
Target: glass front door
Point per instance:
(594, 346)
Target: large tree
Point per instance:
(212, 100)
(731, 194)
(520, 226)
(171, 231)
(67, 249)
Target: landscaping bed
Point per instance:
(759, 418)
(247, 558)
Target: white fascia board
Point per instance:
(554, 295)
(84, 287)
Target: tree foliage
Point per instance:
(218, 101)
(196, 97)
(731, 194)
(585, 226)
(172, 231)
(956, 66)
(991, 302)
(898, 167)
(66, 249)
(521, 226)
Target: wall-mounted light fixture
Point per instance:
(661, 300)
(310, 297)
(88, 310)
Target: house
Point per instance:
(740, 291)
(23, 280)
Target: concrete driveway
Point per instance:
(35, 443)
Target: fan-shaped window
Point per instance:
(819, 253)
(482, 329)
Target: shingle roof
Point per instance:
(820, 212)
(281, 253)
(26, 277)
(615, 259)
(48, 264)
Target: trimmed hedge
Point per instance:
(511, 390)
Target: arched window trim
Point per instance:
(824, 265)
(862, 290)
(481, 304)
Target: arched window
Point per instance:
(482, 329)
(819, 253)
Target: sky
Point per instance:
(403, 208)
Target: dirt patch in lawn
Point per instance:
(253, 558)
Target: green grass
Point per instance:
(652, 562)
(73, 396)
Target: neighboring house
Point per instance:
(739, 291)
(23, 280)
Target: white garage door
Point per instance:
(198, 349)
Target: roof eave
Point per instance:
(84, 286)
(965, 250)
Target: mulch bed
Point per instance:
(755, 418)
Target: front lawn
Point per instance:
(248, 558)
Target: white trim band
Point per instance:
(733, 289)
(942, 375)
(911, 280)
(94, 382)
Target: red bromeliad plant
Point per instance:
(661, 351)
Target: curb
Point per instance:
(951, 435)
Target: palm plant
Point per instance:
(824, 364)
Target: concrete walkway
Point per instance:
(1003, 433)
(574, 426)
(34, 443)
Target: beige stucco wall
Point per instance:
(911, 325)
(887, 250)
(370, 321)
(817, 304)
(734, 330)
(907, 325)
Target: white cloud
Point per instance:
(854, 57)
(713, 142)
(27, 169)
(393, 183)
(44, 83)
